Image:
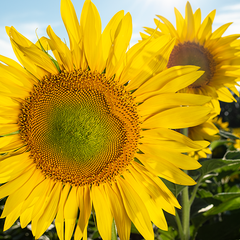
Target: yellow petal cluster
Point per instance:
(133, 87)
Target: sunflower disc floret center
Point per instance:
(190, 53)
(80, 127)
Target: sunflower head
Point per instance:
(196, 44)
(83, 122)
(220, 124)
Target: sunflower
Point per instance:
(220, 124)
(197, 45)
(236, 132)
(205, 131)
(81, 132)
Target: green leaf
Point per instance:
(232, 155)
(174, 188)
(204, 194)
(228, 228)
(114, 231)
(171, 234)
(228, 135)
(229, 201)
(210, 165)
(217, 143)
(227, 174)
(197, 205)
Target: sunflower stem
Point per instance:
(194, 192)
(185, 213)
(114, 231)
(185, 205)
(179, 224)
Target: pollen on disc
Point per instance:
(80, 127)
(190, 53)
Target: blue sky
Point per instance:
(28, 15)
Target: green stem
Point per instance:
(179, 224)
(185, 205)
(114, 231)
(195, 191)
(185, 213)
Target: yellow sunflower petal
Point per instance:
(219, 32)
(15, 92)
(59, 221)
(178, 117)
(157, 188)
(8, 102)
(179, 22)
(155, 212)
(35, 195)
(12, 218)
(70, 20)
(156, 64)
(168, 135)
(26, 217)
(16, 72)
(189, 18)
(72, 26)
(171, 28)
(109, 32)
(33, 56)
(164, 101)
(162, 81)
(62, 50)
(70, 213)
(197, 19)
(15, 143)
(102, 208)
(50, 211)
(179, 160)
(135, 209)
(122, 38)
(142, 54)
(85, 207)
(206, 27)
(121, 218)
(19, 196)
(92, 43)
(165, 170)
(40, 206)
(13, 167)
(43, 43)
(173, 145)
(224, 95)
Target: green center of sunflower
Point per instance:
(80, 127)
(84, 131)
(190, 53)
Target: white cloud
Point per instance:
(229, 13)
(135, 38)
(6, 49)
(29, 30)
(234, 7)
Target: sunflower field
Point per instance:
(100, 140)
